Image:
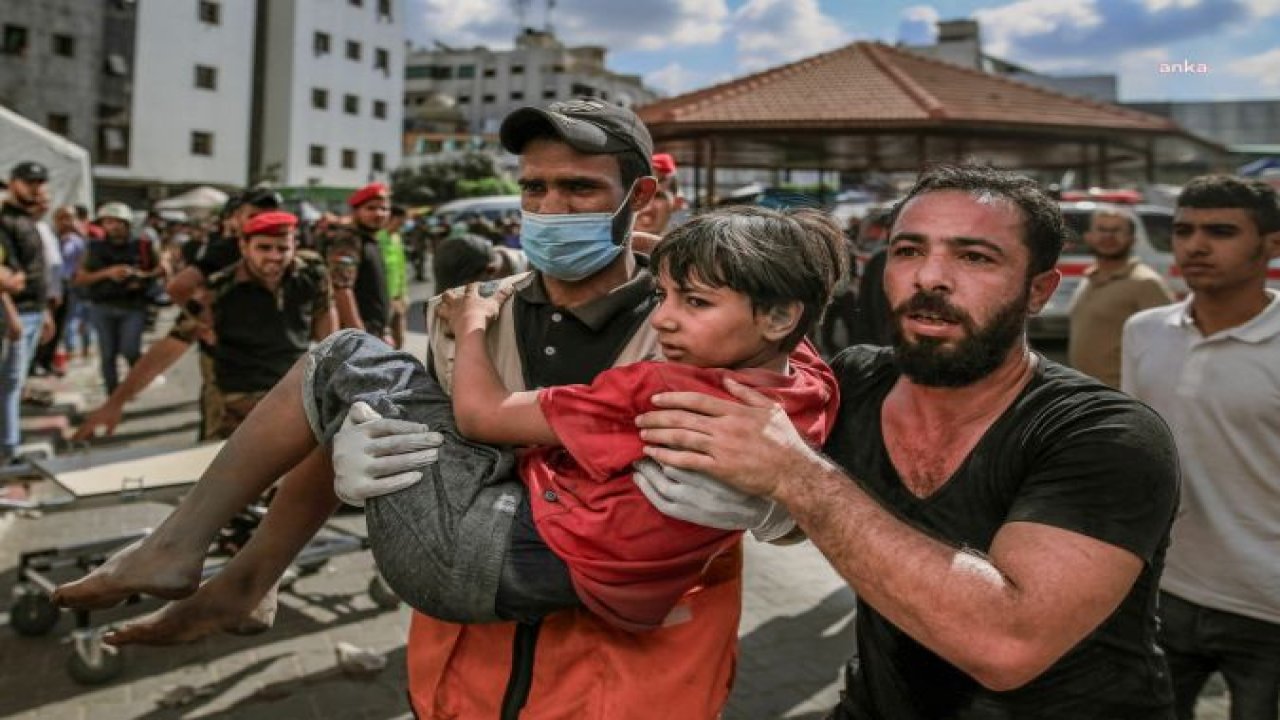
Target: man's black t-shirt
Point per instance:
(216, 254)
(22, 250)
(1070, 453)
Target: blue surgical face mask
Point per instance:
(575, 246)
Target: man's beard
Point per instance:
(926, 361)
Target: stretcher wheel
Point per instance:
(100, 667)
(382, 594)
(33, 614)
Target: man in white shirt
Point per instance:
(1210, 365)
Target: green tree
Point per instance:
(466, 175)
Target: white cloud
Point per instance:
(673, 79)
(771, 32)
(919, 25)
(1158, 5)
(1003, 26)
(652, 25)
(1263, 68)
(1263, 8)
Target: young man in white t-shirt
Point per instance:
(1210, 365)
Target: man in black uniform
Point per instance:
(1001, 518)
(356, 268)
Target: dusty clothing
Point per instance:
(1069, 453)
(1099, 308)
(572, 663)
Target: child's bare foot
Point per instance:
(214, 608)
(140, 568)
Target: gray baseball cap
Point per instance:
(588, 125)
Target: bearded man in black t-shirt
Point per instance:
(1001, 518)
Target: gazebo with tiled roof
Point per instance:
(871, 107)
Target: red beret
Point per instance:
(664, 164)
(367, 193)
(275, 222)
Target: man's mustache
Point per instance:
(933, 304)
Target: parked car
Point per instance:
(493, 208)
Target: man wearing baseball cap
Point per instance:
(23, 280)
(585, 173)
(356, 267)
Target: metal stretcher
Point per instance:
(110, 477)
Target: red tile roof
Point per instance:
(872, 85)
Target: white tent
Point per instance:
(70, 178)
(198, 198)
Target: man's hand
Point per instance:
(375, 456)
(12, 281)
(48, 328)
(701, 500)
(119, 273)
(107, 416)
(750, 445)
(473, 307)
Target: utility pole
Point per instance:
(551, 6)
(522, 12)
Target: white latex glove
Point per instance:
(702, 500)
(373, 455)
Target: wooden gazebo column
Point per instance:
(711, 170)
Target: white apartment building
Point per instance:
(487, 84)
(331, 100)
(189, 100)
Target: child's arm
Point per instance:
(483, 407)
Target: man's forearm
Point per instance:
(478, 392)
(159, 357)
(344, 299)
(955, 602)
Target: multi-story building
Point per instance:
(183, 73)
(166, 94)
(51, 64)
(331, 107)
(486, 85)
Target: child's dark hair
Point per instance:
(772, 257)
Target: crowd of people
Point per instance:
(1024, 539)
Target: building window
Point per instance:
(464, 99)
(59, 123)
(417, 71)
(321, 43)
(490, 72)
(466, 72)
(206, 77)
(517, 69)
(517, 95)
(382, 60)
(201, 142)
(351, 104)
(210, 12)
(380, 109)
(348, 159)
(549, 94)
(115, 65)
(441, 72)
(315, 154)
(353, 50)
(377, 162)
(490, 98)
(557, 68)
(319, 98)
(384, 9)
(64, 46)
(15, 40)
(357, 3)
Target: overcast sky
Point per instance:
(680, 45)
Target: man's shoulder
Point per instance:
(862, 361)
(1155, 320)
(1143, 272)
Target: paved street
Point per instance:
(796, 631)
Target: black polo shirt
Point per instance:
(130, 293)
(567, 346)
(260, 334)
(355, 261)
(23, 251)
